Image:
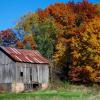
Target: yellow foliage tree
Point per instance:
(60, 52)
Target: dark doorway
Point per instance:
(31, 74)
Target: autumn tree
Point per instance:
(87, 44)
(29, 42)
(69, 34)
(42, 32)
(8, 38)
(86, 48)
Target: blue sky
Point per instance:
(12, 10)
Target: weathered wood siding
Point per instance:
(43, 73)
(32, 72)
(7, 69)
(10, 71)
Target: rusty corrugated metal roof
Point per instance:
(24, 55)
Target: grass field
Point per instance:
(45, 95)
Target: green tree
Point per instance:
(43, 32)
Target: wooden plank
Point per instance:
(45, 74)
(34, 73)
(4, 59)
(40, 73)
(7, 73)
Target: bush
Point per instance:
(95, 77)
(80, 75)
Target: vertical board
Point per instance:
(4, 59)
(45, 74)
(34, 73)
(7, 74)
(40, 73)
(7, 69)
(1, 73)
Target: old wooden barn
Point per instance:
(22, 69)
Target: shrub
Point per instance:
(95, 76)
(80, 75)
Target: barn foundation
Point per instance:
(44, 85)
(5, 87)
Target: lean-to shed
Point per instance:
(22, 69)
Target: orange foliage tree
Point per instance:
(77, 40)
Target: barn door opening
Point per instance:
(32, 85)
(21, 72)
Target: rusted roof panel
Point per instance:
(23, 55)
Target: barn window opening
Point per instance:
(21, 74)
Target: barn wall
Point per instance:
(43, 73)
(32, 73)
(7, 69)
(10, 73)
(24, 68)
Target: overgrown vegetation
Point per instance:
(57, 91)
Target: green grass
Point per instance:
(45, 95)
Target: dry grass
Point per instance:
(66, 86)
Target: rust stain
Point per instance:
(24, 55)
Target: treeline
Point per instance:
(67, 34)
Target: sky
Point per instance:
(12, 10)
